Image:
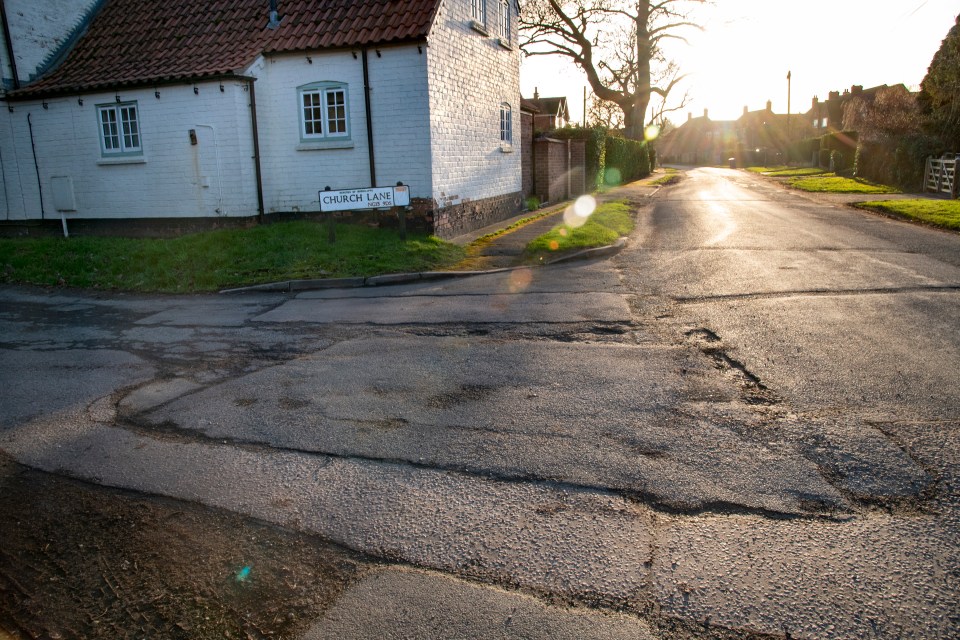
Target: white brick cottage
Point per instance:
(178, 110)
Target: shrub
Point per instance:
(628, 158)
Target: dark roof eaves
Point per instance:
(25, 94)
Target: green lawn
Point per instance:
(604, 226)
(219, 259)
(832, 183)
(795, 172)
(943, 213)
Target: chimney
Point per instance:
(689, 116)
(834, 95)
(815, 102)
(704, 113)
(857, 88)
(745, 110)
(274, 20)
(769, 106)
(536, 93)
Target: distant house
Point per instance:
(756, 137)
(238, 109)
(552, 113)
(827, 116)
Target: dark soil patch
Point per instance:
(79, 561)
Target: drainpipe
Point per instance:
(366, 104)
(36, 165)
(256, 149)
(6, 38)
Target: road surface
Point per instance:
(745, 423)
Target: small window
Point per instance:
(478, 11)
(323, 112)
(503, 24)
(119, 129)
(506, 125)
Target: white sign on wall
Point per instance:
(372, 198)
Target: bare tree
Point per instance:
(617, 43)
(603, 113)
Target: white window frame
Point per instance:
(503, 22)
(506, 125)
(120, 130)
(328, 95)
(478, 11)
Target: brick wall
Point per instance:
(294, 171)
(172, 178)
(559, 169)
(38, 30)
(526, 153)
(470, 75)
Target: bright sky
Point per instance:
(747, 46)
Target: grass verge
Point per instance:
(604, 226)
(942, 213)
(832, 183)
(788, 172)
(219, 259)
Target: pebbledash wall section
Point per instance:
(173, 178)
(476, 181)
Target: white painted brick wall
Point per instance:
(170, 183)
(470, 75)
(293, 176)
(39, 27)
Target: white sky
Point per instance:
(747, 46)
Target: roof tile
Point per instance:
(139, 42)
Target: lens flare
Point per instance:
(520, 280)
(651, 133)
(554, 245)
(612, 176)
(575, 216)
(563, 232)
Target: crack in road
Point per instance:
(866, 291)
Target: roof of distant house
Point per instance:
(552, 106)
(133, 42)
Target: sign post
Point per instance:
(394, 198)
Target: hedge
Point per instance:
(627, 160)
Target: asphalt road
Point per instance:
(746, 422)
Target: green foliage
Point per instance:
(219, 259)
(942, 213)
(831, 183)
(595, 151)
(627, 160)
(940, 92)
(609, 222)
(898, 161)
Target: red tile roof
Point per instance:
(139, 42)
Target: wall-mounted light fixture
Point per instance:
(378, 53)
(196, 90)
(309, 60)
(45, 105)
(117, 98)
(80, 101)
(221, 87)
(354, 54)
(156, 94)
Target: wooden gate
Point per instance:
(940, 175)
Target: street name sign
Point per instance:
(372, 198)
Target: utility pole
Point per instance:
(788, 116)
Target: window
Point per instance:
(506, 125)
(119, 129)
(503, 24)
(323, 112)
(478, 11)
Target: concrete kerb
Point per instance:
(288, 286)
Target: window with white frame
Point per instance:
(119, 129)
(478, 11)
(506, 125)
(503, 23)
(323, 112)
